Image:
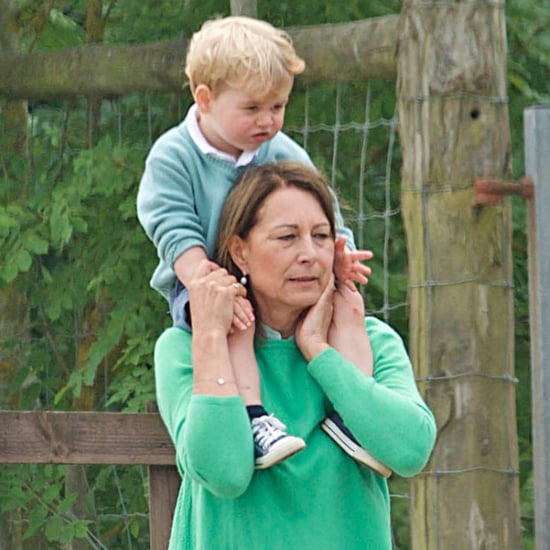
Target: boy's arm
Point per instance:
(348, 266)
(187, 263)
(341, 229)
(166, 203)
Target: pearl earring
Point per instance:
(244, 280)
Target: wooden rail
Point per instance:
(53, 437)
(356, 50)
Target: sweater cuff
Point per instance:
(339, 378)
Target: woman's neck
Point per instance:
(284, 325)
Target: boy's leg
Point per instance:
(347, 335)
(243, 359)
(271, 442)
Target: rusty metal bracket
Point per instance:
(489, 190)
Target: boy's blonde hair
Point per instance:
(241, 52)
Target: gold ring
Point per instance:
(236, 285)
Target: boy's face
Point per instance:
(235, 120)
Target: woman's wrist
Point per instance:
(212, 370)
(218, 386)
(313, 350)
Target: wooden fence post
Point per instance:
(453, 123)
(537, 166)
(164, 484)
(244, 7)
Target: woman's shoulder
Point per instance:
(377, 328)
(171, 338)
(172, 351)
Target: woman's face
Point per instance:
(288, 255)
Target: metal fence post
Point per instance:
(537, 167)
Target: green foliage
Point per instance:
(528, 65)
(528, 513)
(41, 490)
(72, 245)
(314, 13)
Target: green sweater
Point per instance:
(319, 499)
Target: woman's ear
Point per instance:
(238, 250)
(203, 98)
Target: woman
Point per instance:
(277, 228)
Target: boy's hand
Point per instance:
(347, 266)
(243, 315)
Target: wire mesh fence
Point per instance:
(350, 132)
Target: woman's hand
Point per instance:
(312, 330)
(212, 295)
(347, 333)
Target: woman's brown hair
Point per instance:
(240, 211)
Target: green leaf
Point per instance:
(9, 271)
(51, 492)
(81, 528)
(7, 221)
(134, 527)
(60, 225)
(46, 275)
(37, 516)
(67, 534)
(53, 310)
(65, 505)
(24, 260)
(35, 244)
(54, 528)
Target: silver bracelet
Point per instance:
(220, 381)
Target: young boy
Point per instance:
(240, 72)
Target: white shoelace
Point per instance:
(267, 429)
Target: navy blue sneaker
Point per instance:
(334, 427)
(271, 442)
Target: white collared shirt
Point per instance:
(206, 148)
(273, 334)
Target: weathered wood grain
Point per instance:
(453, 124)
(48, 437)
(357, 50)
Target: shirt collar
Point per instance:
(272, 334)
(206, 148)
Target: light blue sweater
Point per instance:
(319, 499)
(182, 193)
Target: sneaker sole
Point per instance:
(281, 450)
(352, 449)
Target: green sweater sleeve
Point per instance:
(385, 413)
(211, 434)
